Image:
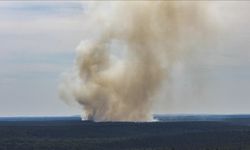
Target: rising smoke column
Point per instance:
(153, 35)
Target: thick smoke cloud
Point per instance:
(121, 68)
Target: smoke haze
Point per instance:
(121, 68)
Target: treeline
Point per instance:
(123, 136)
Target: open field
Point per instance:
(83, 135)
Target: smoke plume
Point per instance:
(120, 69)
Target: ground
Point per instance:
(84, 135)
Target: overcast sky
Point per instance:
(38, 41)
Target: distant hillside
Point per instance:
(181, 118)
(42, 118)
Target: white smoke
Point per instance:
(122, 66)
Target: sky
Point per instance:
(38, 41)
